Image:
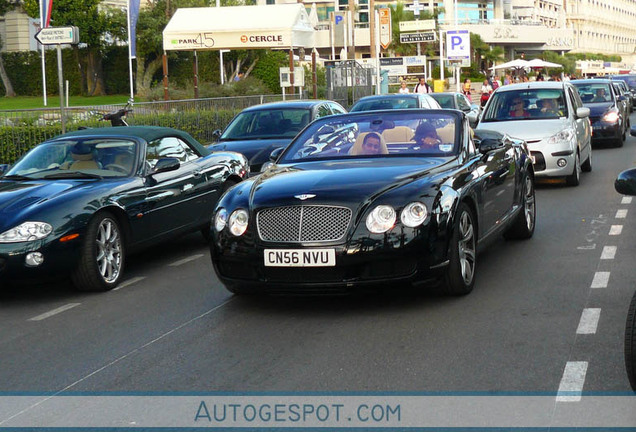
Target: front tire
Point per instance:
(587, 165)
(630, 343)
(575, 178)
(460, 274)
(102, 255)
(525, 221)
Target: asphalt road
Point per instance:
(542, 311)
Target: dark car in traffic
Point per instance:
(259, 129)
(630, 81)
(79, 203)
(458, 101)
(395, 101)
(607, 113)
(378, 197)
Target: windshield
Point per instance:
(268, 124)
(594, 92)
(78, 158)
(526, 104)
(376, 104)
(630, 80)
(381, 135)
(444, 100)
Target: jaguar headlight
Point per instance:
(220, 220)
(238, 222)
(381, 219)
(414, 214)
(564, 135)
(26, 232)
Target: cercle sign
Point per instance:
(58, 35)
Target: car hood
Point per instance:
(528, 130)
(338, 182)
(257, 151)
(15, 196)
(598, 109)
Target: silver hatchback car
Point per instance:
(551, 118)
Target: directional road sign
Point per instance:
(385, 27)
(417, 37)
(458, 44)
(58, 35)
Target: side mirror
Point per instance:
(626, 182)
(216, 135)
(3, 169)
(273, 156)
(582, 112)
(472, 118)
(166, 164)
(488, 144)
(622, 98)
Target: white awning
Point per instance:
(280, 26)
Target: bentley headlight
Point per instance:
(414, 214)
(238, 222)
(564, 135)
(381, 219)
(25, 232)
(220, 220)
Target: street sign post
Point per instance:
(417, 37)
(385, 27)
(59, 36)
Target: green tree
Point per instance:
(94, 26)
(6, 6)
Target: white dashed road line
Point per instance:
(589, 321)
(572, 382)
(616, 230)
(609, 252)
(600, 280)
(626, 200)
(130, 282)
(185, 260)
(621, 214)
(54, 312)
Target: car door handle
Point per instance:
(197, 173)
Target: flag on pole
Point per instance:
(47, 5)
(133, 14)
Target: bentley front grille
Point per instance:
(297, 224)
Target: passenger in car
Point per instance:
(372, 144)
(600, 95)
(426, 138)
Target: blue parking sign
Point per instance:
(457, 44)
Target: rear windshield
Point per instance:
(592, 92)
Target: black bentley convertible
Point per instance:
(374, 198)
(77, 204)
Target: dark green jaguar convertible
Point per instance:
(77, 204)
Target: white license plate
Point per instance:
(300, 257)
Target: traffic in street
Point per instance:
(546, 315)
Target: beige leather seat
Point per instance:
(447, 133)
(399, 134)
(357, 146)
(83, 158)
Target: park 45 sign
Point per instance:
(458, 45)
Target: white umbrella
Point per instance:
(538, 63)
(514, 64)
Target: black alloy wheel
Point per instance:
(460, 274)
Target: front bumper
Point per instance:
(59, 259)
(403, 258)
(546, 157)
(603, 131)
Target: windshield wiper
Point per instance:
(15, 177)
(72, 174)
